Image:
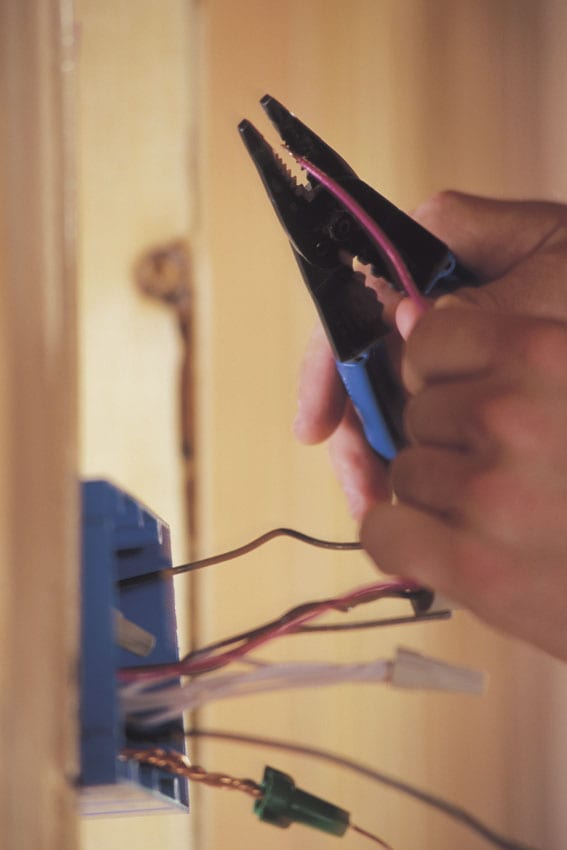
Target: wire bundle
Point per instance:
(408, 670)
(208, 659)
(159, 706)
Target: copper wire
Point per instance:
(178, 764)
(370, 835)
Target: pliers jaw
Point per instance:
(321, 236)
(302, 141)
(302, 208)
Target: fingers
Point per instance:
(453, 414)
(321, 397)
(483, 578)
(535, 286)
(491, 236)
(433, 480)
(511, 506)
(404, 541)
(517, 594)
(499, 504)
(361, 474)
(324, 412)
(489, 454)
(449, 342)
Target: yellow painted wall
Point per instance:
(418, 96)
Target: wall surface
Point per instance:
(418, 96)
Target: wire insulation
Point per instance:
(382, 241)
(407, 669)
(375, 624)
(286, 624)
(159, 706)
(323, 627)
(349, 546)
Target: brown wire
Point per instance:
(325, 627)
(178, 764)
(239, 551)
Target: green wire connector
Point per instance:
(283, 804)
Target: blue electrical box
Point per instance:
(120, 539)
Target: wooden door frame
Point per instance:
(38, 428)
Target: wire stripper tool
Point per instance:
(325, 237)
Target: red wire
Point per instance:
(368, 593)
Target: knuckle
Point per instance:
(455, 339)
(434, 211)
(423, 342)
(493, 501)
(484, 579)
(498, 414)
(518, 422)
(479, 422)
(483, 490)
(403, 472)
(411, 418)
(545, 348)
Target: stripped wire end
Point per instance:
(178, 764)
(283, 803)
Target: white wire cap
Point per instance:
(412, 670)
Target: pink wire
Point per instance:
(362, 594)
(382, 241)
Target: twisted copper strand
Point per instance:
(178, 764)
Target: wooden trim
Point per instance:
(38, 486)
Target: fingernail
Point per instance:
(406, 317)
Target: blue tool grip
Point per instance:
(372, 383)
(377, 394)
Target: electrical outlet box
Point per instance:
(121, 538)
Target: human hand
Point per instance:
(482, 489)
(518, 249)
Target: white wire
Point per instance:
(164, 704)
(266, 676)
(408, 669)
